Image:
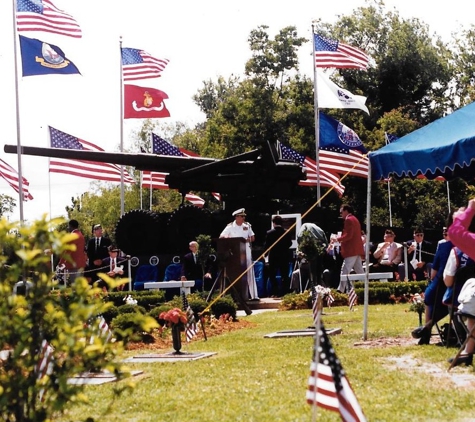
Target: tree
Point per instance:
(7, 204)
(44, 314)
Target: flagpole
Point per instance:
(317, 117)
(389, 189)
(151, 173)
(448, 195)
(122, 195)
(141, 190)
(318, 327)
(17, 113)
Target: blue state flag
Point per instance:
(40, 58)
(337, 137)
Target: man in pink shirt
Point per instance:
(351, 245)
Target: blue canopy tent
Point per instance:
(445, 147)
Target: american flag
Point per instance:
(191, 328)
(138, 64)
(332, 53)
(327, 179)
(330, 299)
(11, 177)
(44, 16)
(341, 150)
(352, 298)
(44, 365)
(103, 329)
(82, 168)
(328, 386)
(156, 180)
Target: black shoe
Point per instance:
(425, 339)
(462, 360)
(420, 332)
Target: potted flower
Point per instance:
(175, 319)
(418, 306)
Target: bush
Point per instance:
(155, 312)
(133, 327)
(110, 313)
(224, 305)
(59, 320)
(296, 301)
(130, 309)
(145, 298)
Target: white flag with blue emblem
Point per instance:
(330, 95)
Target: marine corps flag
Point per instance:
(144, 103)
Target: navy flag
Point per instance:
(40, 58)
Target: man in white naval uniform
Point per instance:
(239, 228)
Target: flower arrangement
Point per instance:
(174, 317)
(417, 305)
(310, 246)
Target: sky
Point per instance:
(202, 39)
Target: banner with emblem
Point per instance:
(144, 103)
(41, 58)
(330, 95)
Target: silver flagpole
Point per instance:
(17, 112)
(122, 195)
(317, 117)
(151, 175)
(448, 196)
(386, 138)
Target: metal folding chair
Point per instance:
(461, 316)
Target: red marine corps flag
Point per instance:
(144, 103)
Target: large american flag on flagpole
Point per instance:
(327, 178)
(138, 64)
(44, 16)
(82, 168)
(332, 53)
(341, 151)
(328, 386)
(156, 180)
(11, 176)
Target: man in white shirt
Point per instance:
(388, 253)
(240, 228)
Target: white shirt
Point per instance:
(234, 230)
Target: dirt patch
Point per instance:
(461, 377)
(386, 342)
(162, 339)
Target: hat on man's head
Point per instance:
(96, 226)
(240, 211)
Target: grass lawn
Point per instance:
(252, 378)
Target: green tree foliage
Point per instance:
(7, 204)
(65, 318)
(408, 85)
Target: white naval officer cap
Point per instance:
(240, 211)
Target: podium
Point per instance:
(232, 257)
(232, 262)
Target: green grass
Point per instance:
(252, 378)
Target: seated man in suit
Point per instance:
(388, 254)
(114, 265)
(419, 257)
(192, 268)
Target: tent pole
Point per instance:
(367, 251)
